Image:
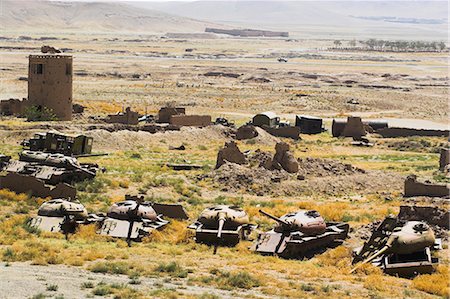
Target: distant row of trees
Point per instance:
(396, 46)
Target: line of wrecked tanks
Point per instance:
(400, 245)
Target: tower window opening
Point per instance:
(68, 69)
(39, 68)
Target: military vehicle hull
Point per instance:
(132, 230)
(229, 236)
(295, 245)
(409, 265)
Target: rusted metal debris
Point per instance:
(55, 142)
(300, 234)
(400, 247)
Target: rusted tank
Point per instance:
(299, 234)
(59, 160)
(222, 225)
(59, 215)
(400, 248)
(50, 168)
(135, 218)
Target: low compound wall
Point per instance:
(191, 120)
(415, 188)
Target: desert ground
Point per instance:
(146, 72)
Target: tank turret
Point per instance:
(299, 234)
(222, 225)
(88, 171)
(400, 248)
(135, 218)
(130, 209)
(307, 222)
(59, 215)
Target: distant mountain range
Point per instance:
(419, 19)
(52, 16)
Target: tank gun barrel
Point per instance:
(221, 223)
(372, 257)
(274, 218)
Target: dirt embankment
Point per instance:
(314, 176)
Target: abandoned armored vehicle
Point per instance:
(54, 142)
(222, 225)
(300, 234)
(401, 248)
(135, 218)
(50, 168)
(59, 215)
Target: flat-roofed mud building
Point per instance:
(50, 84)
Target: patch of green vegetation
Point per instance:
(87, 285)
(52, 287)
(38, 296)
(35, 113)
(110, 267)
(230, 280)
(172, 268)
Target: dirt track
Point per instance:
(70, 279)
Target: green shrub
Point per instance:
(35, 113)
(173, 269)
(111, 267)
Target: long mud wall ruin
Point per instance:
(27, 184)
(248, 32)
(190, 120)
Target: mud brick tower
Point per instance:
(50, 83)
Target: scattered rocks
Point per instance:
(325, 167)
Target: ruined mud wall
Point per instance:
(288, 132)
(127, 118)
(416, 188)
(13, 106)
(405, 132)
(26, 184)
(190, 120)
(444, 158)
(165, 113)
(248, 32)
(431, 215)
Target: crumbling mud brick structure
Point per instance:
(353, 127)
(406, 132)
(248, 32)
(287, 132)
(165, 113)
(129, 117)
(13, 106)
(416, 188)
(26, 184)
(230, 153)
(50, 84)
(444, 158)
(190, 120)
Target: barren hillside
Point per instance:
(91, 17)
